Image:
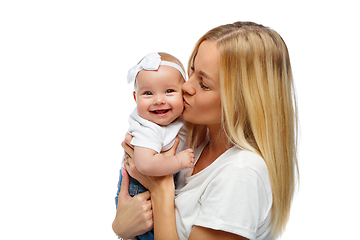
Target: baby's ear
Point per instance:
(134, 94)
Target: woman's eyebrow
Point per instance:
(205, 75)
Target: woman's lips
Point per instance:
(185, 102)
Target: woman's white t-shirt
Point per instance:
(233, 194)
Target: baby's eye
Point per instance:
(170, 91)
(147, 93)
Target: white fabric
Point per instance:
(151, 62)
(159, 138)
(233, 194)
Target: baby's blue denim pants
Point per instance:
(135, 188)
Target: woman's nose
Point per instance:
(188, 87)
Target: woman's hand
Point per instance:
(154, 184)
(134, 214)
(162, 192)
(172, 150)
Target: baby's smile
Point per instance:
(161, 112)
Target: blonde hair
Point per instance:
(259, 110)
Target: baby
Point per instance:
(156, 121)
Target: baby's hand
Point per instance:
(186, 158)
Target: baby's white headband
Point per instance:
(152, 62)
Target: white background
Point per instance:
(64, 104)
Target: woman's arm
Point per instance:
(162, 200)
(162, 191)
(162, 194)
(134, 214)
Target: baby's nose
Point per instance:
(159, 101)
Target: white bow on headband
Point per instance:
(151, 62)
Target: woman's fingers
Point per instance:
(124, 191)
(133, 172)
(128, 162)
(128, 139)
(126, 144)
(172, 150)
(142, 200)
(146, 207)
(128, 149)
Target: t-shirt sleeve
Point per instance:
(234, 201)
(145, 137)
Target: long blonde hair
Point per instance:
(259, 110)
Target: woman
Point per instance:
(240, 92)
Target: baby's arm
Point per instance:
(151, 163)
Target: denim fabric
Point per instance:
(135, 188)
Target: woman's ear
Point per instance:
(134, 94)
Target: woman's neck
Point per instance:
(219, 142)
(217, 145)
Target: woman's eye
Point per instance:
(192, 70)
(203, 86)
